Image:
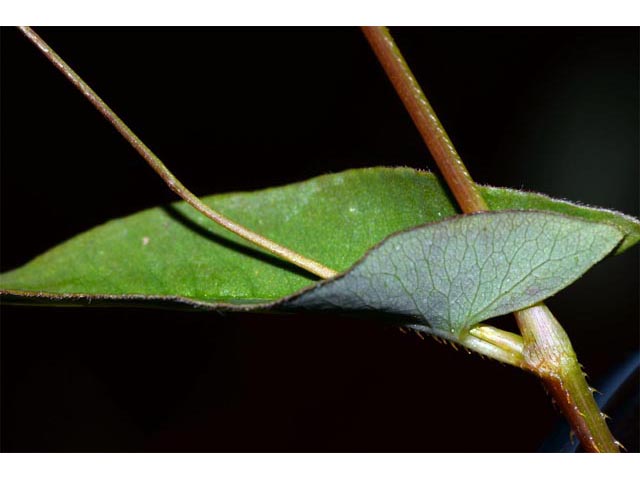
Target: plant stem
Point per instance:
(425, 119)
(164, 173)
(547, 349)
(548, 352)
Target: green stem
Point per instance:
(549, 353)
(164, 173)
(537, 325)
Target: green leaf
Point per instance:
(177, 252)
(508, 199)
(452, 274)
(175, 257)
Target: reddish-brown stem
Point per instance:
(549, 354)
(444, 153)
(547, 351)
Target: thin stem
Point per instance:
(538, 326)
(164, 173)
(425, 119)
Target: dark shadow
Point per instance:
(261, 256)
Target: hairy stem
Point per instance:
(549, 353)
(164, 173)
(425, 119)
(553, 360)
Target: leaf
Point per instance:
(452, 274)
(508, 199)
(174, 257)
(177, 252)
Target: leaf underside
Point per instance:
(453, 274)
(174, 257)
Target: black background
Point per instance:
(550, 110)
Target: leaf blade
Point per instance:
(181, 259)
(453, 274)
(177, 252)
